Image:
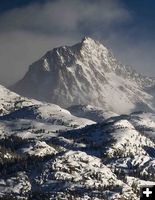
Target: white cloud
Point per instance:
(64, 15)
(27, 33)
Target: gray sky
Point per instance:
(29, 31)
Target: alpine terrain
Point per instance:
(81, 126)
(86, 73)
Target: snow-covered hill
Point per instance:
(87, 151)
(48, 153)
(10, 101)
(47, 113)
(86, 73)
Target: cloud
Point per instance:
(27, 33)
(64, 16)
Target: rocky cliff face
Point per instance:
(86, 73)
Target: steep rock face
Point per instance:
(86, 73)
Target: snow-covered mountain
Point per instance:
(86, 73)
(88, 150)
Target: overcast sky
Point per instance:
(29, 28)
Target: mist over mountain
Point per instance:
(86, 73)
(80, 126)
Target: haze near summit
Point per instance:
(32, 27)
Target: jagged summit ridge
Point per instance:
(85, 73)
(64, 56)
(91, 43)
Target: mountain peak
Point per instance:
(91, 44)
(87, 40)
(85, 73)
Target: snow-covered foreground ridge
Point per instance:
(48, 153)
(89, 151)
(86, 73)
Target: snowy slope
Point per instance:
(84, 176)
(10, 101)
(47, 113)
(88, 74)
(109, 160)
(48, 152)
